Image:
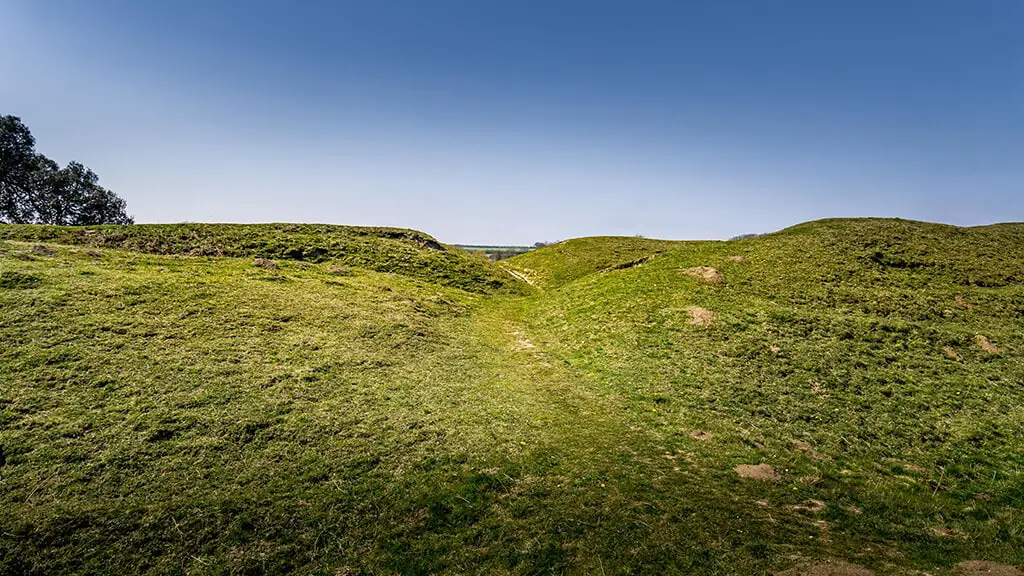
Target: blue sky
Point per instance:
(513, 122)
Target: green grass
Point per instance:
(393, 250)
(196, 414)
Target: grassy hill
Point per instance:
(394, 250)
(840, 391)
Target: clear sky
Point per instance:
(519, 121)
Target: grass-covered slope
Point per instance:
(168, 414)
(569, 260)
(394, 250)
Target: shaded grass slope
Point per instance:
(200, 415)
(395, 250)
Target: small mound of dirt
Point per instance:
(265, 264)
(952, 354)
(985, 345)
(92, 254)
(700, 316)
(837, 568)
(701, 435)
(983, 567)
(705, 274)
(816, 387)
(963, 303)
(762, 472)
(739, 259)
(338, 271)
(42, 250)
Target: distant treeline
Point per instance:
(495, 253)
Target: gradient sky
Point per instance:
(513, 122)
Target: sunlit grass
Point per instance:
(200, 414)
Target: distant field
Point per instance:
(283, 399)
(495, 253)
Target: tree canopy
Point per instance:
(36, 190)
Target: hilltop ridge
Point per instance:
(396, 250)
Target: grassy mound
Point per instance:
(561, 263)
(845, 390)
(393, 250)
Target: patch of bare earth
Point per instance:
(986, 345)
(700, 316)
(952, 354)
(701, 435)
(763, 472)
(962, 303)
(705, 274)
(837, 568)
(740, 259)
(982, 567)
(810, 451)
(265, 264)
(943, 532)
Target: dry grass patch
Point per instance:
(700, 316)
(701, 435)
(986, 345)
(705, 274)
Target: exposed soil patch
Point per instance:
(810, 451)
(962, 303)
(762, 472)
(265, 264)
(701, 435)
(816, 387)
(42, 250)
(952, 354)
(338, 271)
(982, 567)
(985, 345)
(705, 274)
(837, 568)
(700, 316)
(740, 259)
